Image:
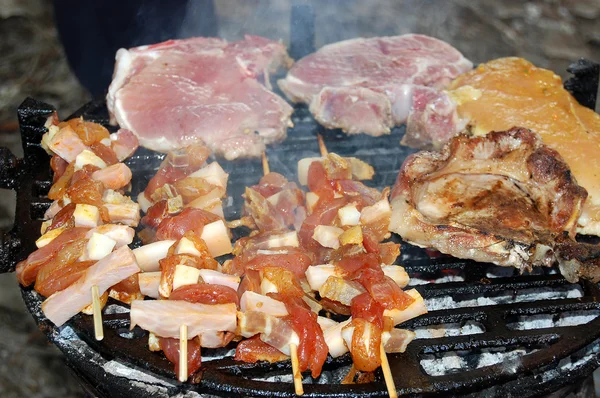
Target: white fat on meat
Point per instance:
(316, 275)
(303, 166)
(251, 301)
(149, 282)
(144, 202)
(267, 286)
(314, 305)
(53, 210)
(165, 317)
(338, 337)
(285, 239)
(112, 269)
(208, 200)
(325, 322)
(341, 290)
(396, 340)
(218, 278)
(149, 255)
(115, 176)
(334, 339)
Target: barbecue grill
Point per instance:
(490, 330)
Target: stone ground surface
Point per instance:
(550, 33)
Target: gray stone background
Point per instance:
(550, 33)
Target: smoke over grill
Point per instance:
(489, 330)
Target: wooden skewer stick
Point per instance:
(183, 353)
(322, 147)
(387, 374)
(265, 164)
(295, 370)
(293, 347)
(97, 311)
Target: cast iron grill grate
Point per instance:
(489, 328)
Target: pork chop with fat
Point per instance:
(181, 92)
(371, 85)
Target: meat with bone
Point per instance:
(371, 85)
(181, 92)
(504, 198)
(509, 92)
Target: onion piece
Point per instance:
(212, 173)
(217, 239)
(412, 311)
(185, 275)
(218, 278)
(165, 317)
(149, 282)
(149, 255)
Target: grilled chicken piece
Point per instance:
(504, 198)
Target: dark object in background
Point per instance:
(584, 84)
(93, 31)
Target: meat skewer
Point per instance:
(385, 365)
(298, 388)
(80, 258)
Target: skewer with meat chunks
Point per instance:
(83, 249)
(355, 262)
(184, 232)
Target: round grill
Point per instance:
(489, 328)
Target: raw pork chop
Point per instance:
(504, 198)
(180, 92)
(510, 92)
(370, 85)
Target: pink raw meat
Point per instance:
(355, 84)
(180, 92)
